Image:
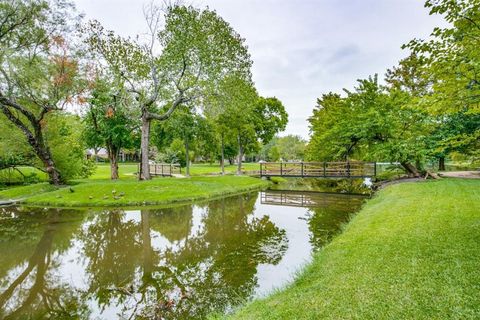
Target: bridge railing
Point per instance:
(351, 169)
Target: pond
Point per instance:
(181, 262)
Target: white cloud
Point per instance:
(301, 49)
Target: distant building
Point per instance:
(101, 155)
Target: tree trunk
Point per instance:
(36, 141)
(187, 159)
(412, 171)
(146, 243)
(222, 163)
(113, 157)
(43, 152)
(144, 166)
(95, 152)
(240, 156)
(441, 164)
(54, 176)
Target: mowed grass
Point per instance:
(125, 171)
(413, 252)
(130, 192)
(129, 170)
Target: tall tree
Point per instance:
(39, 69)
(177, 65)
(370, 123)
(109, 121)
(452, 58)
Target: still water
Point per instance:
(172, 263)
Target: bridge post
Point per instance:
(281, 169)
(155, 166)
(348, 169)
(375, 169)
(261, 171)
(324, 169)
(302, 169)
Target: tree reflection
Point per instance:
(34, 291)
(325, 222)
(184, 270)
(172, 263)
(113, 251)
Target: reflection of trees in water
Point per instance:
(113, 251)
(183, 274)
(36, 292)
(326, 222)
(194, 274)
(218, 265)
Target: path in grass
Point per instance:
(89, 193)
(411, 253)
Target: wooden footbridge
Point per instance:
(350, 169)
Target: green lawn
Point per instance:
(130, 192)
(128, 170)
(125, 171)
(411, 253)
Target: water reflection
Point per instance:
(174, 263)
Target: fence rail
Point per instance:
(351, 169)
(163, 169)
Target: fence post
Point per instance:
(375, 169)
(348, 169)
(302, 169)
(324, 169)
(261, 171)
(281, 168)
(155, 166)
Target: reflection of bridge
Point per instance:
(311, 198)
(354, 169)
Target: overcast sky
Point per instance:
(300, 49)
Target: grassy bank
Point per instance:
(411, 253)
(125, 170)
(95, 193)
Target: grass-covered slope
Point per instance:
(413, 252)
(89, 193)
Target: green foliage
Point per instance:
(452, 57)
(370, 123)
(270, 118)
(40, 72)
(64, 134)
(109, 121)
(174, 153)
(287, 148)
